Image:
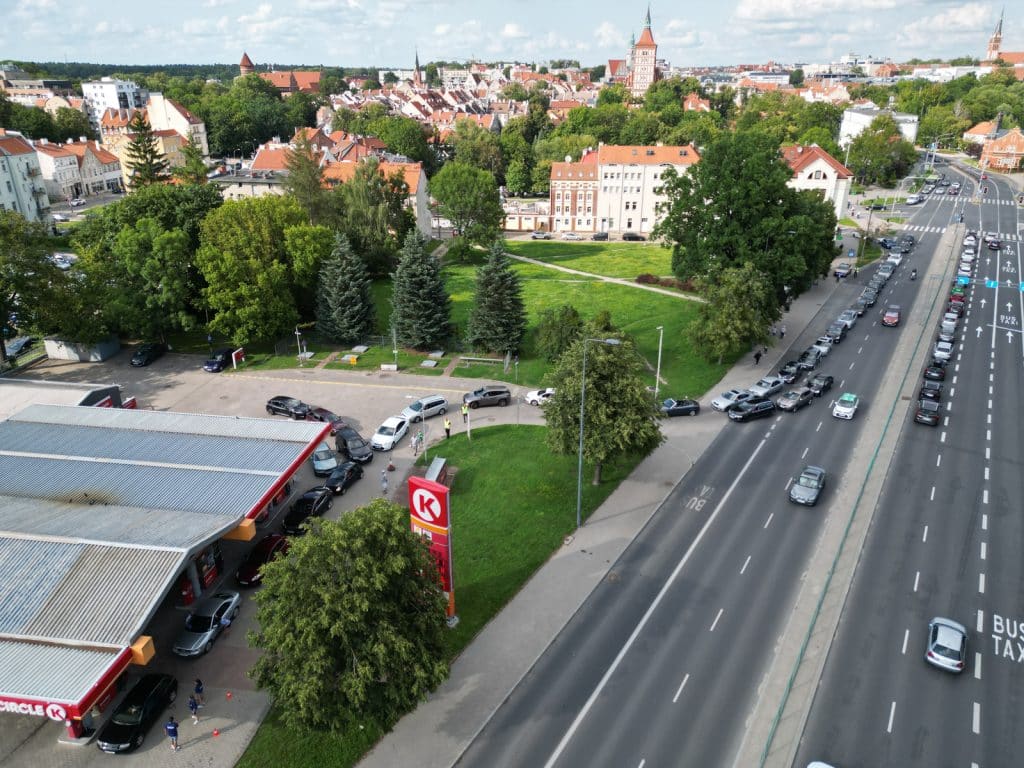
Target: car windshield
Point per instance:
(130, 715)
(354, 443)
(809, 481)
(417, 406)
(848, 400)
(196, 623)
(929, 405)
(323, 456)
(386, 431)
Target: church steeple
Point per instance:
(647, 18)
(995, 43)
(416, 79)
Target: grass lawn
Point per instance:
(496, 551)
(608, 259)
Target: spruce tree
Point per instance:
(344, 301)
(497, 321)
(146, 164)
(421, 308)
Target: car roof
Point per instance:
(391, 421)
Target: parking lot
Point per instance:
(177, 383)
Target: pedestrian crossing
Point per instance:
(986, 199)
(1004, 236)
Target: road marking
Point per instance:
(906, 637)
(892, 714)
(988, 419)
(859, 350)
(952, 391)
(578, 720)
(984, 522)
(984, 496)
(932, 498)
(977, 666)
(715, 622)
(984, 550)
(938, 460)
(981, 583)
(990, 405)
(642, 763)
(942, 437)
(769, 520)
(819, 426)
(945, 421)
(981, 620)
(976, 720)
(987, 451)
(747, 562)
(954, 379)
(986, 473)
(681, 686)
(917, 577)
(804, 454)
(924, 538)
(852, 364)
(949, 406)
(842, 384)
(990, 391)
(788, 483)
(988, 434)
(867, 336)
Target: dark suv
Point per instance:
(635, 237)
(494, 395)
(127, 727)
(287, 406)
(351, 445)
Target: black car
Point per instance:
(126, 729)
(790, 372)
(220, 360)
(930, 390)
(672, 407)
(877, 206)
(599, 236)
(287, 406)
(327, 417)
(343, 477)
(351, 445)
(249, 573)
(756, 408)
(935, 372)
(809, 360)
(147, 353)
(19, 346)
(860, 306)
(634, 237)
(836, 332)
(928, 412)
(313, 503)
(869, 297)
(956, 307)
(820, 384)
(887, 243)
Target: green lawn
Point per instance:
(608, 259)
(495, 551)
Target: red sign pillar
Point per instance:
(429, 508)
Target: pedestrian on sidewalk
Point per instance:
(171, 729)
(193, 707)
(416, 445)
(757, 357)
(782, 332)
(856, 271)
(447, 427)
(198, 692)
(383, 482)
(465, 413)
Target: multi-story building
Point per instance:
(615, 189)
(857, 119)
(60, 172)
(100, 170)
(167, 114)
(21, 180)
(640, 69)
(110, 93)
(814, 168)
(1004, 153)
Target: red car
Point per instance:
(891, 317)
(322, 414)
(270, 546)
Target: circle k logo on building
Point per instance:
(426, 506)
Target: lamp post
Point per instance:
(298, 343)
(583, 399)
(657, 372)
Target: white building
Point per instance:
(21, 181)
(60, 171)
(167, 114)
(815, 169)
(109, 93)
(857, 119)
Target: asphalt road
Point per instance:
(661, 665)
(945, 542)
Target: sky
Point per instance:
(387, 33)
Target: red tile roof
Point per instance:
(646, 39)
(13, 145)
(647, 155)
(799, 156)
(80, 148)
(342, 172)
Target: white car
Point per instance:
(571, 236)
(59, 217)
(539, 396)
(848, 318)
(767, 386)
(77, 202)
(728, 400)
(895, 258)
(970, 241)
(967, 256)
(324, 461)
(969, 249)
(846, 406)
(823, 345)
(389, 433)
(964, 270)
(943, 350)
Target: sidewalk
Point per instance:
(441, 728)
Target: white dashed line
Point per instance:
(804, 454)
(917, 578)
(747, 562)
(924, 537)
(942, 437)
(818, 427)
(986, 473)
(852, 364)
(981, 621)
(906, 637)
(715, 622)
(984, 550)
(984, 522)
(984, 496)
(932, 497)
(769, 520)
(938, 460)
(859, 350)
(981, 583)
(892, 714)
(681, 686)
(977, 666)
(976, 720)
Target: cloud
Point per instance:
(609, 36)
(512, 31)
(804, 10)
(679, 34)
(962, 24)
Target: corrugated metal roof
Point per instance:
(51, 672)
(21, 393)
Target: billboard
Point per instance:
(429, 516)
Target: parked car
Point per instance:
(207, 619)
(886, 242)
(425, 407)
(19, 346)
(795, 399)
(351, 445)
(843, 270)
(571, 236)
(134, 716)
(868, 297)
(312, 503)
(344, 476)
(599, 236)
(539, 396)
(686, 407)
(947, 644)
(928, 412)
(283, 405)
(323, 460)
(930, 390)
(994, 245)
(540, 235)
(848, 317)
(270, 546)
(846, 406)
(327, 417)
(492, 395)
(220, 360)
(730, 399)
(633, 237)
(389, 433)
(935, 372)
(147, 353)
(757, 408)
(860, 306)
(836, 332)
(943, 350)
(809, 359)
(807, 488)
(77, 202)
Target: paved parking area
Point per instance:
(177, 383)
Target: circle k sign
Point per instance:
(428, 502)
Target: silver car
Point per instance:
(767, 386)
(324, 460)
(947, 644)
(730, 399)
(808, 487)
(211, 616)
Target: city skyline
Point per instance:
(388, 33)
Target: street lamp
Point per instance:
(657, 372)
(583, 399)
(298, 343)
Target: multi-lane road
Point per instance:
(661, 665)
(946, 541)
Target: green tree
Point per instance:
(613, 94)
(374, 215)
(880, 154)
(33, 123)
(478, 147)
(306, 246)
(300, 110)
(823, 139)
(145, 163)
(514, 92)
(497, 321)
(740, 307)
(332, 81)
(384, 613)
(71, 124)
(641, 128)
(371, 84)
(468, 198)
(305, 179)
(193, 170)
(517, 177)
(796, 78)
(431, 75)
(670, 92)
(404, 136)
(421, 307)
(390, 78)
(557, 329)
(344, 298)
(619, 414)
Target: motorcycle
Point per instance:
(913, 274)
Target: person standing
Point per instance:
(447, 428)
(198, 692)
(171, 729)
(782, 332)
(465, 413)
(383, 482)
(757, 357)
(193, 707)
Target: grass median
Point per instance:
(626, 260)
(513, 503)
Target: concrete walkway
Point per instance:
(440, 729)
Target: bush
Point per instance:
(666, 282)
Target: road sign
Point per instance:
(961, 280)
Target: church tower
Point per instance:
(245, 67)
(995, 43)
(643, 59)
(417, 79)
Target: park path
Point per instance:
(616, 280)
